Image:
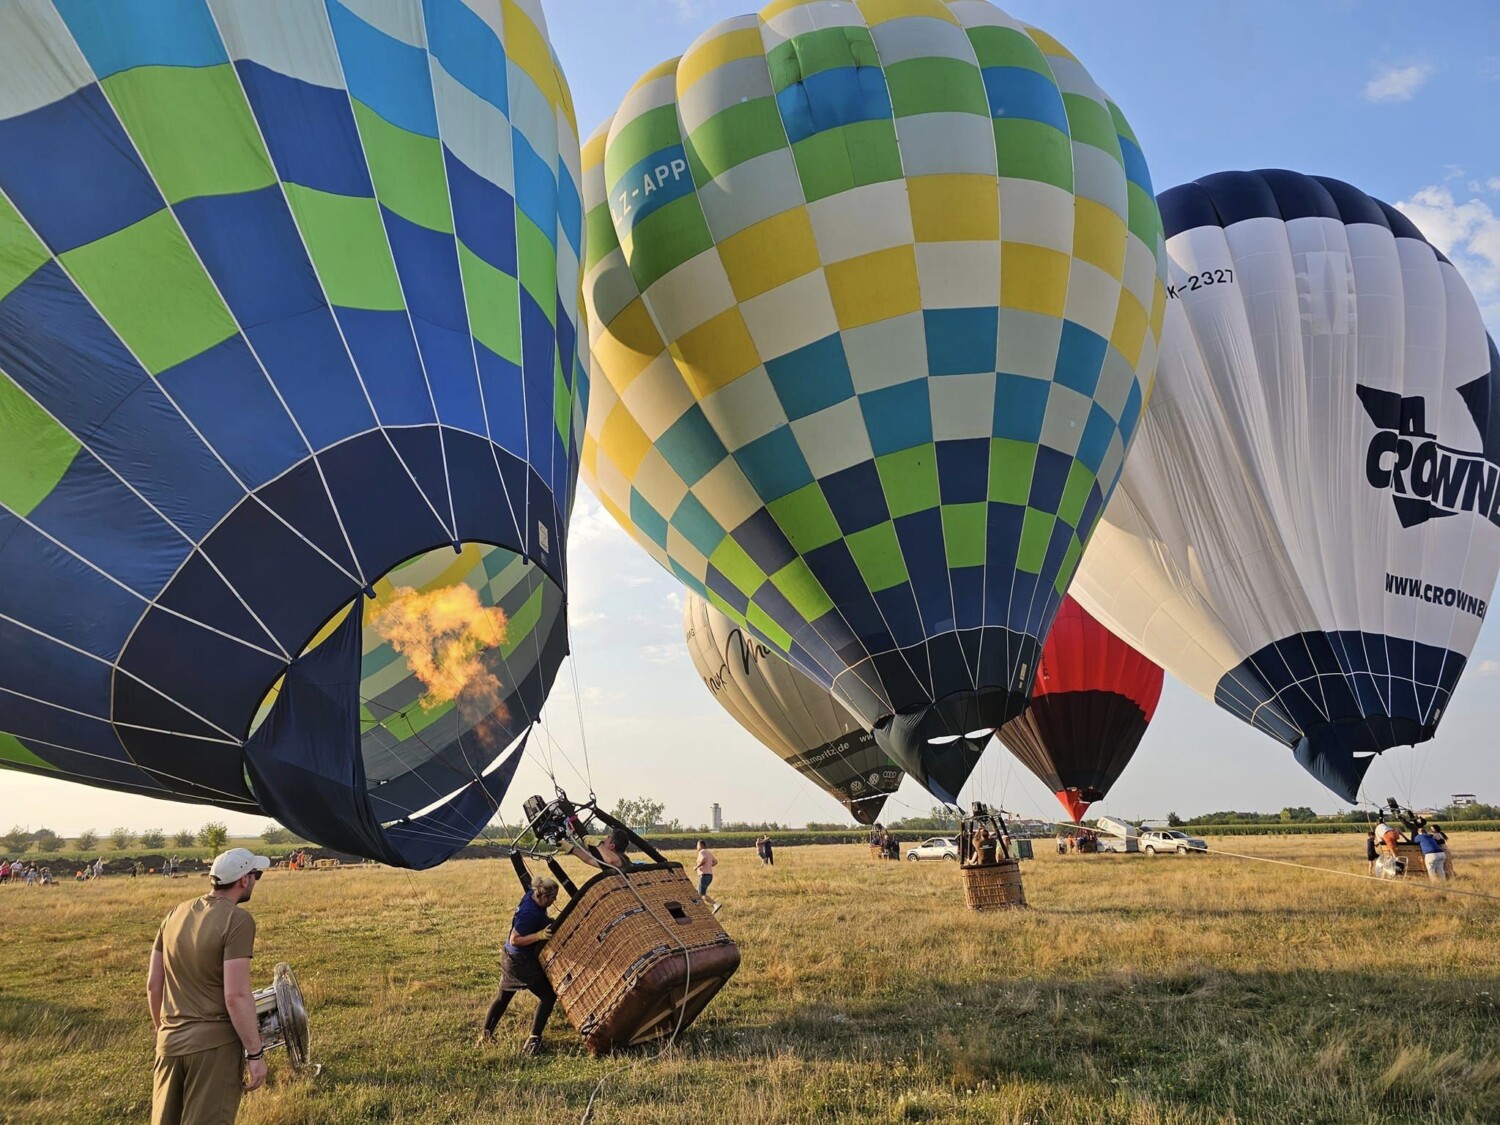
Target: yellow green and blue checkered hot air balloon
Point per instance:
(875, 290)
(289, 323)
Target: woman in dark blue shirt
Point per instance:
(521, 963)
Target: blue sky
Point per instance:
(1398, 98)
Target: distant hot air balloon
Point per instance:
(1093, 698)
(874, 290)
(1306, 532)
(290, 393)
(789, 713)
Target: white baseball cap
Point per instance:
(235, 864)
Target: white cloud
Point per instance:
(1488, 667)
(662, 654)
(1468, 232)
(590, 522)
(1397, 83)
(686, 9)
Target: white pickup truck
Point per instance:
(1170, 840)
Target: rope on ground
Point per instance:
(1414, 884)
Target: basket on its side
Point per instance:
(634, 956)
(875, 852)
(993, 885)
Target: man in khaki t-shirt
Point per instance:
(201, 1002)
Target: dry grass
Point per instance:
(1135, 991)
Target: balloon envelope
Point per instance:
(1306, 530)
(288, 301)
(789, 713)
(1093, 698)
(874, 290)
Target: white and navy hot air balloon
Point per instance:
(1305, 531)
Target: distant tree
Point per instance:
(185, 839)
(1230, 818)
(1173, 820)
(938, 819)
(152, 838)
(213, 835)
(1299, 815)
(275, 834)
(86, 840)
(122, 838)
(1472, 812)
(822, 826)
(638, 812)
(46, 840)
(15, 841)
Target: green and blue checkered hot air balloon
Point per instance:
(875, 290)
(288, 324)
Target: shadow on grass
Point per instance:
(1319, 1046)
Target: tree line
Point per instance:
(213, 836)
(1301, 814)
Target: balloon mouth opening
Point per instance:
(939, 743)
(430, 615)
(981, 735)
(1339, 753)
(1077, 801)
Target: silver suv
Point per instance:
(939, 847)
(1170, 840)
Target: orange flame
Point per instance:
(444, 636)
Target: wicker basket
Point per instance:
(1416, 866)
(633, 957)
(994, 885)
(875, 851)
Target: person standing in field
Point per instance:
(1442, 838)
(1370, 853)
(202, 1007)
(1433, 856)
(707, 861)
(521, 964)
(770, 856)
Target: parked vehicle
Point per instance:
(939, 847)
(1118, 836)
(1170, 840)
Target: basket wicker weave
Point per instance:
(994, 885)
(632, 955)
(1416, 866)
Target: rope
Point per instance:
(687, 986)
(1414, 884)
(583, 737)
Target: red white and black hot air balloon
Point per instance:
(1093, 697)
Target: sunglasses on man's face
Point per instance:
(257, 875)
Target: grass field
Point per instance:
(1134, 991)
